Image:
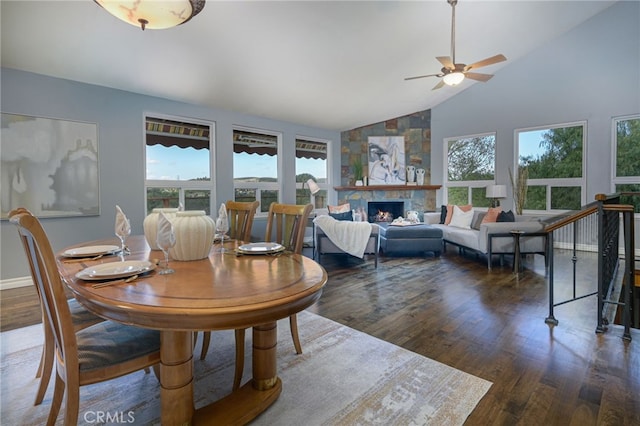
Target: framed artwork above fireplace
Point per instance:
(386, 160)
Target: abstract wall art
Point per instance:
(386, 160)
(49, 166)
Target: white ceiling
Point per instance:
(333, 65)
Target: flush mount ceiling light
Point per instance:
(153, 14)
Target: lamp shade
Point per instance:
(313, 187)
(453, 79)
(497, 191)
(153, 14)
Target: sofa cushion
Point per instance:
(443, 214)
(461, 219)
(478, 218)
(465, 208)
(506, 217)
(342, 208)
(342, 216)
(492, 215)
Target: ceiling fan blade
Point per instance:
(478, 76)
(489, 61)
(446, 61)
(439, 85)
(423, 76)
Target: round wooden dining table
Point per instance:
(222, 291)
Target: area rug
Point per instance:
(344, 377)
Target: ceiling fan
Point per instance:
(454, 73)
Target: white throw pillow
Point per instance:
(461, 219)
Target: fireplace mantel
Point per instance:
(387, 187)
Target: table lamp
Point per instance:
(495, 192)
(313, 187)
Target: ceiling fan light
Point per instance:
(453, 78)
(155, 15)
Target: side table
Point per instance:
(518, 240)
(517, 264)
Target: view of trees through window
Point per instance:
(627, 165)
(470, 168)
(554, 161)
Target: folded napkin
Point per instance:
(348, 236)
(222, 223)
(166, 238)
(123, 227)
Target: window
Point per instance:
(553, 158)
(255, 167)
(626, 169)
(311, 163)
(179, 163)
(470, 168)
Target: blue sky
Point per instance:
(177, 163)
(530, 143)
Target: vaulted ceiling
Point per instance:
(333, 65)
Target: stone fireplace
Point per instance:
(384, 211)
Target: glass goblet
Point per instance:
(122, 232)
(165, 241)
(222, 227)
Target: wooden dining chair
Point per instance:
(286, 224)
(80, 317)
(240, 215)
(101, 352)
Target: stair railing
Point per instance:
(608, 210)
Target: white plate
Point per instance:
(260, 248)
(89, 251)
(115, 270)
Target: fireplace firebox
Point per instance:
(384, 211)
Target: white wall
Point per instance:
(591, 73)
(119, 116)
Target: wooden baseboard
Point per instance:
(15, 283)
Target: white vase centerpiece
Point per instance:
(150, 225)
(194, 231)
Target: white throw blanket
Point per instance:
(350, 237)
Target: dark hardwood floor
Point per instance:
(486, 323)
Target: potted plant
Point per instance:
(357, 171)
(519, 187)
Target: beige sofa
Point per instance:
(494, 238)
